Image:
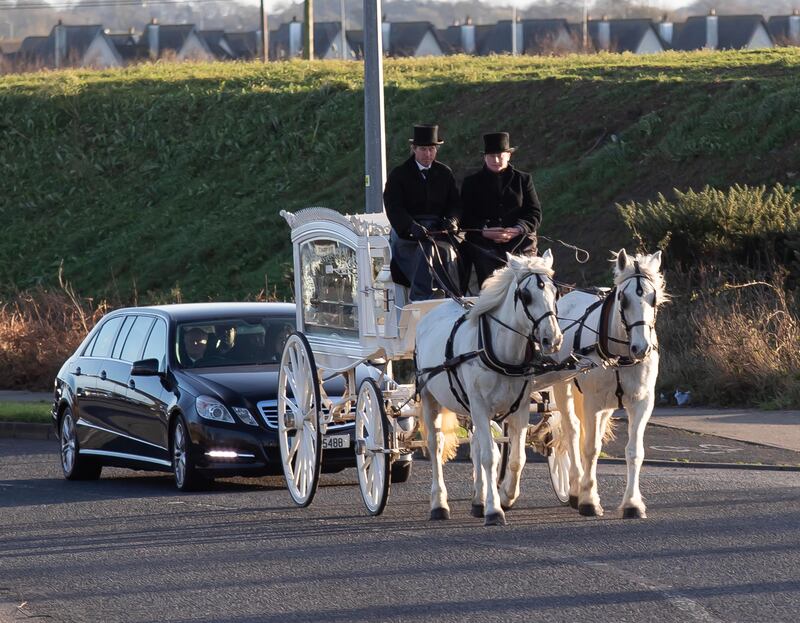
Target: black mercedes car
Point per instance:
(190, 389)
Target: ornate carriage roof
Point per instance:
(359, 224)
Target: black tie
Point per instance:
(424, 174)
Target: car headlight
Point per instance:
(212, 409)
(244, 415)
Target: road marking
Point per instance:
(703, 448)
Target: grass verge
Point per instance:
(35, 412)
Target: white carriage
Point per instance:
(349, 312)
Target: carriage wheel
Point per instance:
(298, 419)
(559, 463)
(372, 438)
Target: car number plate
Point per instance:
(335, 442)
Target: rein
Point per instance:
(485, 351)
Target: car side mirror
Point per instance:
(145, 367)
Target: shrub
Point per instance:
(749, 226)
(731, 343)
(39, 329)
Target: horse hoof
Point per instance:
(590, 510)
(506, 506)
(438, 514)
(631, 512)
(476, 510)
(495, 519)
(573, 501)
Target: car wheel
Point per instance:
(401, 471)
(183, 469)
(75, 466)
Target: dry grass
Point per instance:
(39, 329)
(732, 343)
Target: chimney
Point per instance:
(666, 29)
(152, 38)
(794, 27)
(295, 37)
(604, 33)
(468, 36)
(60, 45)
(386, 33)
(712, 30)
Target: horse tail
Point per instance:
(450, 427)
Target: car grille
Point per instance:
(269, 413)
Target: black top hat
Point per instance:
(496, 143)
(425, 135)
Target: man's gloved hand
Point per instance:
(416, 231)
(450, 225)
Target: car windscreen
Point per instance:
(232, 341)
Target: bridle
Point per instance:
(621, 298)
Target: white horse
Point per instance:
(618, 333)
(478, 364)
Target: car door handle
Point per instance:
(103, 375)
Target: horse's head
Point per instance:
(639, 287)
(535, 296)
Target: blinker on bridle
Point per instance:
(522, 295)
(638, 275)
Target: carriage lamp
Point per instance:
(383, 292)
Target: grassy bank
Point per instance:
(164, 182)
(36, 412)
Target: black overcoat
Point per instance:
(487, 203)
(408, 196)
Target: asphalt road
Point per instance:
(719, 545)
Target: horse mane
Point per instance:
(655, 277)
(497, 284)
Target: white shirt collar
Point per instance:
(420, 167)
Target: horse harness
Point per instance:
(601, 347)
(532, 364)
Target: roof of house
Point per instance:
(216, 41)
(536, 35)
(245, 45)
(733, 31)
(450, 39)
(127, 47)
(325, 34)
(626, 34)
(32, 46)
(406, 37)
(170, 37)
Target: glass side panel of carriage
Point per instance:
(329, 287)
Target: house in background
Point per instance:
(637, 36)
(69, 46)
(785, 29)
(245, 45)
(127, 47)
(533, 36)
(466, 38)
(287, 41)
(722, 32)
(410, 39)
(217, 42)
(181, 42)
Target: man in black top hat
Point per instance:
(421, 197)
(501, 202)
